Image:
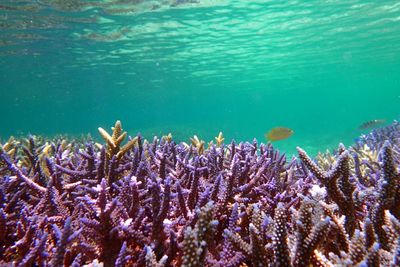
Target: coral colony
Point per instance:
(158, 203)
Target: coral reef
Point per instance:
(160, 203)
(377, 137)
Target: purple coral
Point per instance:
(165, 204)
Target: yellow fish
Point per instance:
(279, 133)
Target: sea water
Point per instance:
(321, 68)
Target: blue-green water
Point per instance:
(240, 67)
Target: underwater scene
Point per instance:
(199, 133)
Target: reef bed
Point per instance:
(158, 203)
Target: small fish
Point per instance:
(279, 133)
(371, 124)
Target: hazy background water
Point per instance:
(200, 67)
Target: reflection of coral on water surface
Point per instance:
(158, 203)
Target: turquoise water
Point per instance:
(199, 67)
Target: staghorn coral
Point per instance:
(159, 203)
(10, 147)
(337, 183)
(197, 240)
(388, 193)
(377, 137)
(198, 144)
(219, 139)
(114, 141)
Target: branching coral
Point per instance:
(197, 240)
(114, 141)
(338, 175)
(159, 203)
(389, 191)
(198, 144)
